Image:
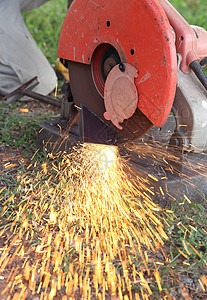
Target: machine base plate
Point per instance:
(54, 136)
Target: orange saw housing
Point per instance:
(141, 35)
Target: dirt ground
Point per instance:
(11, 162)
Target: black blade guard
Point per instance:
(95, 130)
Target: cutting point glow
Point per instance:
(105, 155)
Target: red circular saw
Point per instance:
(122, 61)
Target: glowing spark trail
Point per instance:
(82, 227)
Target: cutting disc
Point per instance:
(97, 35)
(84, 92)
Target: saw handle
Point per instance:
(196, 67)
(190, 40)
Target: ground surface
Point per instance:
(17, 146)
(14, 156)
(15, 159)
(184, 284)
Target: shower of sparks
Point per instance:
(82, 227)
(167, 163)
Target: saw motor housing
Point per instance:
(133, 62)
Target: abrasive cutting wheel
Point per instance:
(87, 85)
(122, 62)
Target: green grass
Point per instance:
(186, 248)
(45, 24)
(192, 228)
(19, 129)
(194, 11)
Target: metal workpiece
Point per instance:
(26, 89)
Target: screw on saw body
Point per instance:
(122, 67)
